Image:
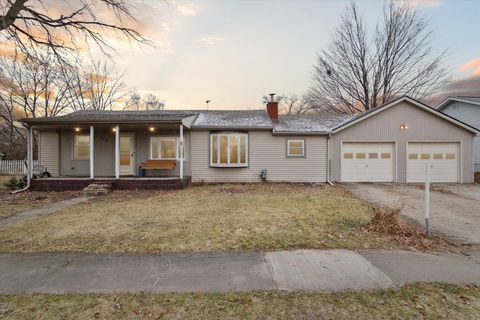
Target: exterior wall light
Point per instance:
(151, 129)
(403, 127)
(113, 129)
(77, 129)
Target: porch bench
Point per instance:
(160, 164)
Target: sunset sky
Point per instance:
(234, 52)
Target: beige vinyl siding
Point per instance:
(266, 151)
(48, 151)
(469, 114)
(422, 127)
(105, 154)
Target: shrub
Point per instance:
(12, 183)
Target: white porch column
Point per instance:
(181, 151)
(92, 148)
(117, 152)
(29, 155)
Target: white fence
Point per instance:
(14, 167)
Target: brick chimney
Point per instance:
(272, 108)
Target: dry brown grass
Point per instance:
(14, 203)
(387, 222)
(418, 301)
(205, 218)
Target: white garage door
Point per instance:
(367, 162)
(443, 158)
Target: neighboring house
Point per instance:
(392, 143)
(465, 109)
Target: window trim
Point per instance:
(228, 165)
(74, 157)
(303, 155)
(177, 149)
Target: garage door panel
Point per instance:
(367, 162)
(442, 156)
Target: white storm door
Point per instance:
(442, 156)
(127, 154)
(367, 162)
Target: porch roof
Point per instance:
(153, 116)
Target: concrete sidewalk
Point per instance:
(314, 270)
(35, 212)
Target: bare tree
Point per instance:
(32, 87)
(294, 104)
(359, 72)
(95, 85)
(61, 25)
(291, 104)
(149, 102)
(29, 87)
(152, 102)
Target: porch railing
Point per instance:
(14, 167)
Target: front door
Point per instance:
(127, 154)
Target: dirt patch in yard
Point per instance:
(417, 301)
(260, 217)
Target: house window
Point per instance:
(386, 155)
(438, 156)
(348, 156)
(413, 156)
(166, 148)
(295, 148)
(373, 155)
(81, 146)
(360, 155)
(228, 150)
(425, 156)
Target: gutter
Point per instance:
(328, 161)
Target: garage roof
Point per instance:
(372, 112)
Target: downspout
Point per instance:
(29, 160)
(328, 161)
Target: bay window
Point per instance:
(229, 150)
(164, 148)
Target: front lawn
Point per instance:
(420, 301)
(11, 204)
(203, 218)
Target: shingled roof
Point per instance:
(311, 123)
(208, 119)
(116, 116)
(246, 119)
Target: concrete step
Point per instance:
(97, 189)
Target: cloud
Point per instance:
(186, 10)
(418, 4)
(472, 66)
(210, 40)
(469, 86)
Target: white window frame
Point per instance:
(87, 157)
(295, 155)
(159, 138)
(228, 165)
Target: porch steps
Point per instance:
(97, 189)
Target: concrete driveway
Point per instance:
(454, 209)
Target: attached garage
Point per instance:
(367, 162)
(393, 143)
(442, 158)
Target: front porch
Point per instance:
(122, 183)
(120, 155)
